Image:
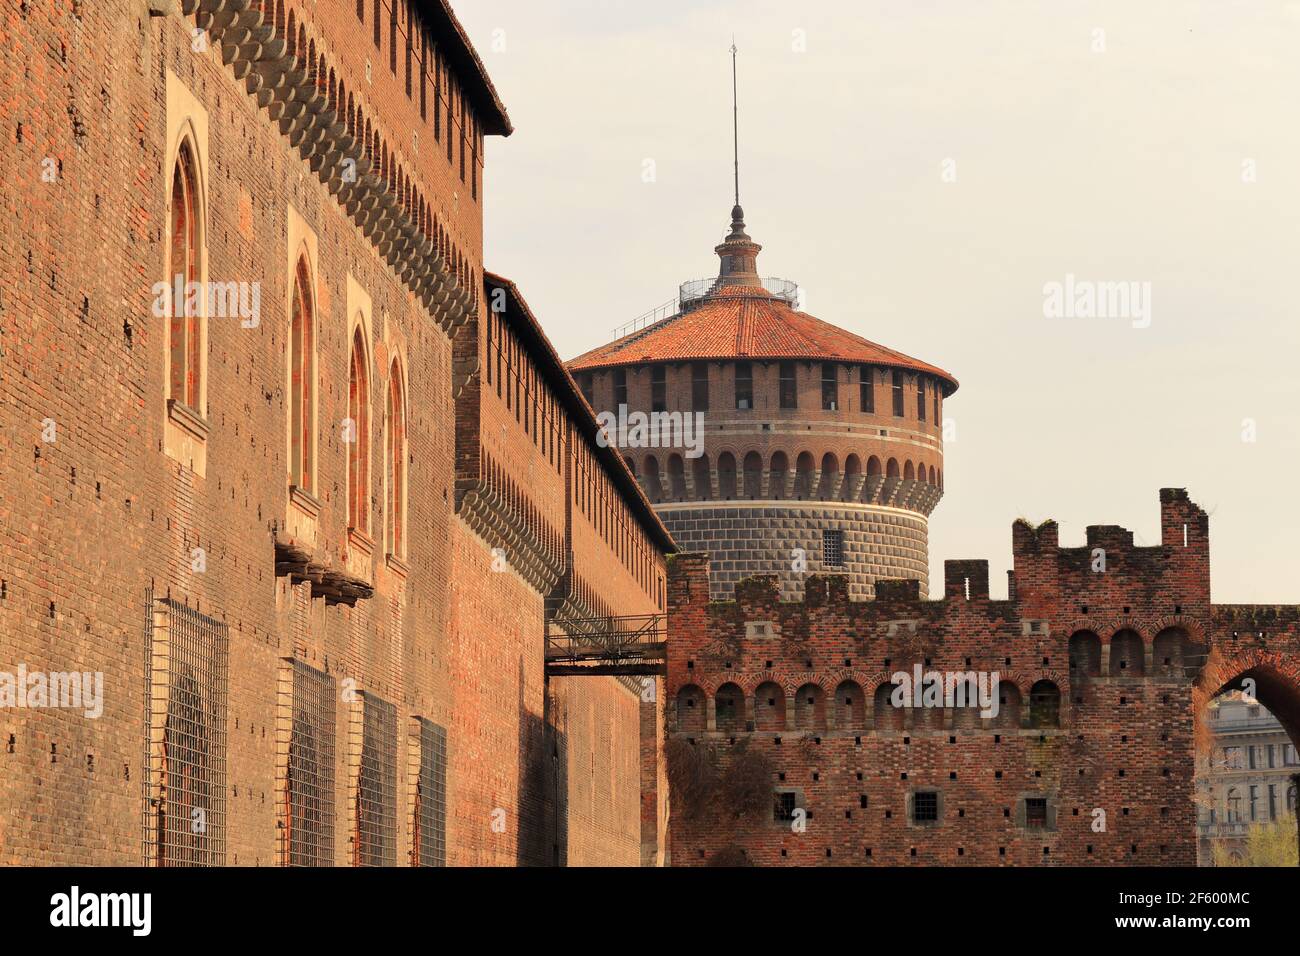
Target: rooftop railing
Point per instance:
(688, 293)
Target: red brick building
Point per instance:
(786, 747)
(282, 463)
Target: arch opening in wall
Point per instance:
(810, 708)
(850, 706)
(778, 475)
(357, 433)
(729, 708)
(803, 475)
(873, 467)
(753, 468)
(703, 482)
(826, 486)
(1044, 705)
(769, 707)
(395, 462)
(653, 485)
(1085, 654)
(727, 475)
(852, 478)
(884, 714)
(1169, 652)
(1127, 655)
(891, 469)
(184, 273)
(677, 477)
(302, 383)
(692, 716)
(1008, 715)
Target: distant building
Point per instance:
(1247, 778)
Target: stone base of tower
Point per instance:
(750, 537)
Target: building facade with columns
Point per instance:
(820, 450)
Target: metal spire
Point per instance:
(735, 121)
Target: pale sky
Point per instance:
(1170, 157)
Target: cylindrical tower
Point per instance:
(817, 450)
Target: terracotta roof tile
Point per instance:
(740, 322)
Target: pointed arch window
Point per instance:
(302, 384)
(185, 334)
(395, 463)
(358, 445)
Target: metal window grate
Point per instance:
(431, 796)
(376, 820)
(925, 807)
(833, 549)
(1035, 813)
(184, 779)
(309, 783)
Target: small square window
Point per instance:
(786, 803)
(1036, 813)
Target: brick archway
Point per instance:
(1276, 674)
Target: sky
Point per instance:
(926, 171)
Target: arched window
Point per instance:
(357, 435)
(1085, 654)
(677, 477)
(727, 475)
(769, 707)
(850, 706)
(1127, 655)
(185, 333)
(1234, 805)
(691, 716)
(803, 475)
(891, 470)
(885, 714)
(302, 385)
(753, 466)
(810, 708)
(395, 463)
(729, 708)
(1044, 705)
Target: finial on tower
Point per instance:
(738, 252)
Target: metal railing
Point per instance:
(635, 644)
(696, 289)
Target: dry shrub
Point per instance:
(692, 776)
(747, 784)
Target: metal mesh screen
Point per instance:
(186, 659)
(377, 784)
(309, 786)
(431, 797)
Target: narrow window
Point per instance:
(920, 398)
(308, 783)
(659, 389)
(429, 844)
(361, 10)
(410, 49)
(464, 133)
(392, 37)
(866, 389)
(451, 97)
(185, 331)
(898, 393)
(378, 22)
(937, 389)
(376, 794)
(357, 436)
(833, 549)
(584, 383)
(830, 387)
(396, 463)
(700, 386)
(620, 387)
(784, 807)
(437, 96)
(789, 390)
(744, 385)
(424, 73)
(302, 365)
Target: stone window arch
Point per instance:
(769, 706)
(873, 466)
(1085, 654)
(1127, 656)
(810, 708)
(909, 471)
(357, 432)
(891, 469)
(691, 715)
(1044, 705)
